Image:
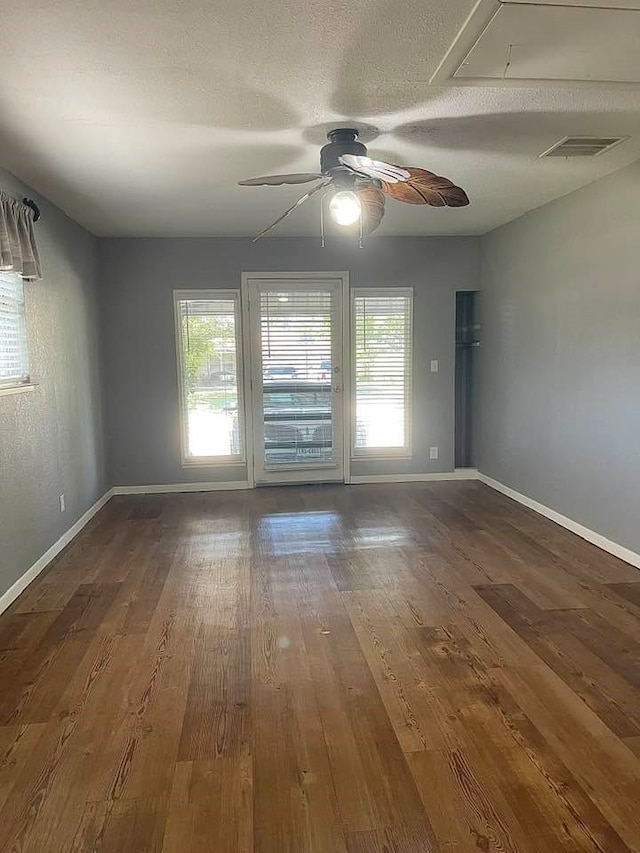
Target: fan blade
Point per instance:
(293, 207)
(375, 169)
(372, 201)
(278, 180)
(424, 187)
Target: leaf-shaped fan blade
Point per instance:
(278, 180)
(424, 187)
(375, 169)
(372, 201)
(293, 207)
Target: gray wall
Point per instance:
(137, 280)
(51, 439)
(560, 361)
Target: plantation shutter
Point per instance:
(14, 361)
(382, 327)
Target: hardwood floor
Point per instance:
(370, 669)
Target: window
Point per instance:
(382, 367)
(210, 377)
(14, 358)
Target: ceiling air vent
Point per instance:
(583, 146)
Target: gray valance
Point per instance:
(18, 250)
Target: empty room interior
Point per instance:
(319, 412)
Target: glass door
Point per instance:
(297, 379)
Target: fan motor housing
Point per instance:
(343, 140)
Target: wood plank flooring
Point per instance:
(424, 668)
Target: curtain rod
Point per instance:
(29, 202)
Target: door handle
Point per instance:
(337, 389)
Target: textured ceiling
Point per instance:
(137, 117)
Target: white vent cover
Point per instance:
(583, 146)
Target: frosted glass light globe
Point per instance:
(345, 207)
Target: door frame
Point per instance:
(347, 402)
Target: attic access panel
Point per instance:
(528, 42)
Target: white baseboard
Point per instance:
(159, 489)
(590, 535)
(23, 582)
(458, 474)
(180, 487)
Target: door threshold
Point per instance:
(282, 483)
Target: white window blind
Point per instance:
(297, 365)
(209, 366)
(382, 371)
(14, 358)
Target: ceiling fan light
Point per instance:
(345, 207)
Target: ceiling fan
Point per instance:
(359, 184)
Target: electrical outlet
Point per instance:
(434, 365)
(433, 453)
(62, 504)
